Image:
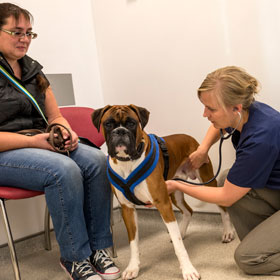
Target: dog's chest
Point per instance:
(124, 170)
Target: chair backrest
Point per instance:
(80, 120)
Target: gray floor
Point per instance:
(213, 259)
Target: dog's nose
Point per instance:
(120, 131)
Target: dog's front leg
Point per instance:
(130, 219)
(167, 214)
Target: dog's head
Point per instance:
(122, 127)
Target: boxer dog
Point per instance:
(130, 151)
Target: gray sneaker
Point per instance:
(79, 270)
(104, 266)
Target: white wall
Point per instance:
(65, 44)
(156, 54)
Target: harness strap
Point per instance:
(124, 188)
(127, 186)
(165, 154)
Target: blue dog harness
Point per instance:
(127, 186)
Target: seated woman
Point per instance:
(76, 188)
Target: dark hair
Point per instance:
(8, 9)
(42, 83)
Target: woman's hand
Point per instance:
(39, 141)
(75, 139)
(198, 158)
(171, 186)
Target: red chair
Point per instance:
(11, 193)
(80, 120)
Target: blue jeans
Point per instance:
(77, 194)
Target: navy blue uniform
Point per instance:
(257, 162)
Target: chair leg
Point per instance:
(114, 250)
(10, 241)
(48, 245)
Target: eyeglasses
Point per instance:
(19, 35)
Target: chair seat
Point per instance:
(17, 193)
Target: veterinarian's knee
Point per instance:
(243, 260)
(251, 262)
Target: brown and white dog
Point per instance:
(128, 146)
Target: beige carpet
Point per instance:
(213, 259)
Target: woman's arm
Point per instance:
(223, 196)
(200, 156)
(11, 141)
(54, 116)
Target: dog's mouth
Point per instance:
(121, 152)
(121, 149)
(124, 153)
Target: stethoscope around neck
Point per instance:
(222, 138)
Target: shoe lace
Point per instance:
(103, 257)
(84, 267)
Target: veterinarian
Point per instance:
(75, 186)
(251, 189)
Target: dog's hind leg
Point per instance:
(130, 219)
(183, 172)
(205, 174)
(228, 232)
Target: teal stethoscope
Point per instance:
(223, 137)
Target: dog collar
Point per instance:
(127, 186)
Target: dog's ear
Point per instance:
(97, 115)
(142, 113)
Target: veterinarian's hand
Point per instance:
(198, 158)
(171, 186)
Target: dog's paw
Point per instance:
(130, 273)
(228, 236)
(191, 274)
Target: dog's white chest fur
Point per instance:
(124, 169)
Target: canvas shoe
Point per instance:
(104, 266)
(79, 270)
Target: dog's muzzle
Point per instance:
(122, 145)
(120, 142)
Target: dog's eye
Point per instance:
(109, 124)
(130, 124)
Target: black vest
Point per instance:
(16, 111)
